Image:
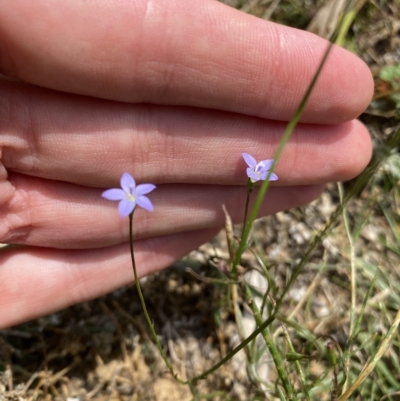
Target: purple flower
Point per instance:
(258, 171)
(130, 195)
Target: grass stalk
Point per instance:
(352, 272)
(296, 362)
(285, 138)
(369, 367)
(266, 334)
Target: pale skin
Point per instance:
(171, 91)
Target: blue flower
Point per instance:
(258, 171)
(130, 195)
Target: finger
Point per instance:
(91, 142)
(68, 216)
(200, 53)
(35, 281)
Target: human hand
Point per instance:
(172, 92)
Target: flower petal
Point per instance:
(145, 203)
(264, 176)
(250, 172)
(144, 189)
(114, 194)
(252, 175)
(125, 208)
(266, 164)
(127, 183)
(250, 160)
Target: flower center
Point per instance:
(130, 197)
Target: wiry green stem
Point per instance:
(146, 314)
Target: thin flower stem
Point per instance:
(146, 314)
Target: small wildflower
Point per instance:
(130, 195)
(258, 171)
